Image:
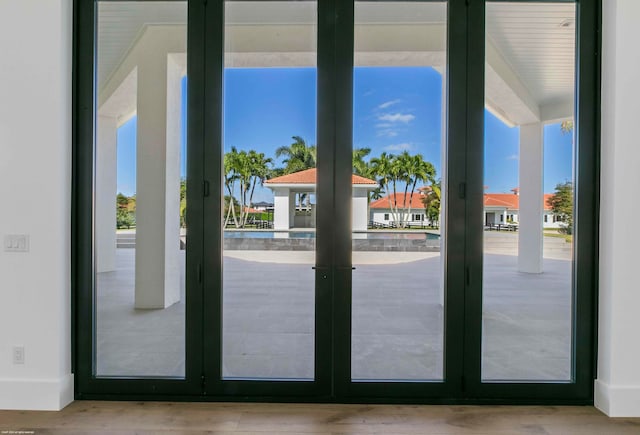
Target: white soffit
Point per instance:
(120, 24)
(533, 42)
(538, 41)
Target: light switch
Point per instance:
(16, 243)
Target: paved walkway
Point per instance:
(268, 322)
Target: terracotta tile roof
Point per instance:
(357, 179)
(509, 200)
(416, 201)
(506, 200)
(308, 176)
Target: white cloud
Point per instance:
(387, 132)
(384, 125)
(397, 117)
(513, 157)
(388, 104)
(405, 146)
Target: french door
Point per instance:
(335, 200)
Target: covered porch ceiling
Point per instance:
(530, 54)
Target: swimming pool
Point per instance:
(233, 234)
(390, 235)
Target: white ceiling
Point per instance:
(120, 25)
(528, 37)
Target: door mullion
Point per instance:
(212, 90)
(342, 295)
(455, 196)
(474, 179)
(195, 173)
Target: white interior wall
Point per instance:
(35, 186)
(35, 199)
(617, 389)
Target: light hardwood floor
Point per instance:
(87, 417)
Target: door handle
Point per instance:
(337, 268)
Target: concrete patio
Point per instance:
(268, 319)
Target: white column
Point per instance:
(281, 209)
(359, 218)
(292, 209)
(106, 184)
(443, 182)
(313, 215)
(617, 388)
(531, 199)
(158, 182)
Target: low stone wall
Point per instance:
(250, 244)
(398, 245)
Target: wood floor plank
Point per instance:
(146, 418)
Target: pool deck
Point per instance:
(397, 317)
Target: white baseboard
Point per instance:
(617, 401)
(36, 394)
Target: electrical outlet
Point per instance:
(18, 354)
(16, 243)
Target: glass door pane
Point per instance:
(398, 161)
(528, 200)
(140, 167)
(269, 211)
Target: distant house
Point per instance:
(381, 212)
(499, 208)
(502, 208)
(263, 206)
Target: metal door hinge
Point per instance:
(462, 190)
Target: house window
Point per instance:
(386, 216)
(546, 218)
(501, 218)
(417, 217)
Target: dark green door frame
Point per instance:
(83, 265)
(463, 254)
(585, 265)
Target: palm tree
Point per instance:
(259, 170)
(247, 169)
(360, 167)
(298, 155)
(383, 168)
(432, 201)
(418, 170)
(401, 170)
(183, 202)
(230, 178)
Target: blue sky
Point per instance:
(395, 109)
